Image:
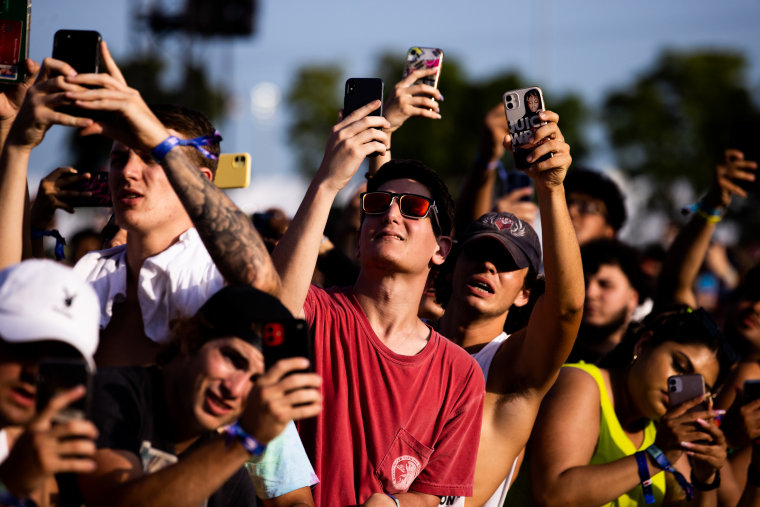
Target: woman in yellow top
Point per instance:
(598, 433)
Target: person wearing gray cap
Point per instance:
(494, 269)
(46, 312)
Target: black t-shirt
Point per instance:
(129, 408)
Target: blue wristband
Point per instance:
(663, 463)
(394, 499)
(646, 481)
(10, 500)
(167, 145)
(60, 242)
(253, 446)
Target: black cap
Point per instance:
(517, 237)
(240, 311)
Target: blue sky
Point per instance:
(588, 47)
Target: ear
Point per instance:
(522, 298)
(642, 344)
(608, 232)
(207, 173)
(442, 251)
(633, 301)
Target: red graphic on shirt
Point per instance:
(403, 472)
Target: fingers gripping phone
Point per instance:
(14, 39)
(97, 185)
(233, 171)
(682, 388)
(424, 58)
(360, 91)
(58, 375)
(522, 107)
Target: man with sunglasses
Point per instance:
(493, 271)
(402, 405)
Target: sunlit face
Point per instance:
(533, 103)
(589, 217)
(608, 295)
(429, 308)
(143, 199)
(487, 280)
(391, 241)
(648, 378)
(221, 375)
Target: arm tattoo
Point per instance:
(227, 232)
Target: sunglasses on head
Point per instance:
(410, 205)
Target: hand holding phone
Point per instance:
(682, 388)
(522, 108)
(418, 58)
(88, 193)
(360, 92)
(57, 375)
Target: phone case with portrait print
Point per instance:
(522, 107)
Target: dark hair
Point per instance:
(679, 324)
(616, 253)
(398, 169)
(599, 186)
(532, 93)
(191, 124)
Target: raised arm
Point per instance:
(35, 116)
(554, 322)
(295, 256)
(407, 99)
(227, 232)
(688, 251)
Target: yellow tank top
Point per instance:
(614, 444)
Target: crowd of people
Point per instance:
(432, 350)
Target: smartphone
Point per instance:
(97, 185)
(751, 391)
(57, 375)
(282, 340)
(522, 107)
(516, 180)
(360, 91)
(424, 58)
(682, 388)
(14, 39)
(233, 171)
(78, 48)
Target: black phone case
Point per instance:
(98, 185)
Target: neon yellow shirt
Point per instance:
(614, 444)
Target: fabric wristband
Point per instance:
(711, 215)
(706, 487)
(10, 500)
(394, 499)
(662, 462)
(59, 241)
(646, 481)
(250, 444)
(199, 143)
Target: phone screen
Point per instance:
(97, 185)
(57, 375)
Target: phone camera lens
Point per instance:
(509, 98)
(672, 388)
(510, 106)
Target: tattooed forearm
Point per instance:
(228, 233)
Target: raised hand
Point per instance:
(548, 139)
(408, 99)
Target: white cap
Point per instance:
(45, 300)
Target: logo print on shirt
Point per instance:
(404, 470)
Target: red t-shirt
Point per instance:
(390, 423)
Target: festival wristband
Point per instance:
(703, 486)
(659, 457)
(59, 241)
(394, 499)
(250, 444)
(646, 481)
(199, 143)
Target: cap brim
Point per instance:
(518, 256)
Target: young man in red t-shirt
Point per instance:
(402, 405)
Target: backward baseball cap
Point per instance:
(43, 300)
(516, 236)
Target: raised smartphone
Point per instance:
(14, 39)
(78, 48)
(522, 107)
(233, 171)
(97, 185)
(57, 375)
(424, 58)
(360, 91)
(682, 388)
(282, 340)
